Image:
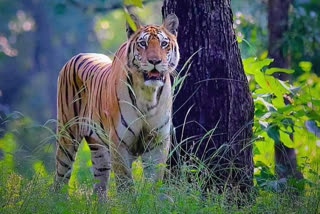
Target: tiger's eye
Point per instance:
(143, 44)
(164, 44)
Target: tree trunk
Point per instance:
(278, 13)
(215, 91)
(44, 59)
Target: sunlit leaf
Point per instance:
(130, 21)
(39, 168)
(239, 39)
(137, 3)
(7, 147)
(305, 66)
(253, 66)
(283, 70)
(263, 55)
(285, 139)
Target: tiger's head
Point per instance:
(152, 50)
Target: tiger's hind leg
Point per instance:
(100, 158)
(66, 151)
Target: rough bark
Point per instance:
(216, 90)
(278, 15)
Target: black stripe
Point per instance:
(75, 88)
(81, 63)
(68, 81)
(75, 100)
(62, 163)
(91, 133)
(101, 139)
(66, 152)
(102, 169)
(93, 147)
(85, 72)
(64, 117)
(93, 68)
(129, 50)
(125, 124)
(165, 123)
(60, 175)
(72, 136)
(123, 121)
(91, 71)
(122, 141)
(63, 175)
(98, 175)
(132, 97)
(133, 48)
(77, 58)
(98, 156)
(149, 108)
(115, 130)
(66, 92)
(75, 75)
(160, 93)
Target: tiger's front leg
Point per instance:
(154, 160)
(121, 161)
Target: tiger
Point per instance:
(122, 108)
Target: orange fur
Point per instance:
(96, 96)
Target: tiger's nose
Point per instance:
(154, 61)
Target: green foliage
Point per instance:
(282, 114)
(110, 28)
(8, 147)
(250, 26)
(302, 39)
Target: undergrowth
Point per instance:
(35, 195)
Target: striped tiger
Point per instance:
(121, 108)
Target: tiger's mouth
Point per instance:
(153, 75)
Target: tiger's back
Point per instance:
(78, 83)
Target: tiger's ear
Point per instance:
(134, 21)
(171, 23)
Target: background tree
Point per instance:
(278, 24)
(214, 109)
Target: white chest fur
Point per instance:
(145, 112)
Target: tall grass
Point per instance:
(35, 195)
